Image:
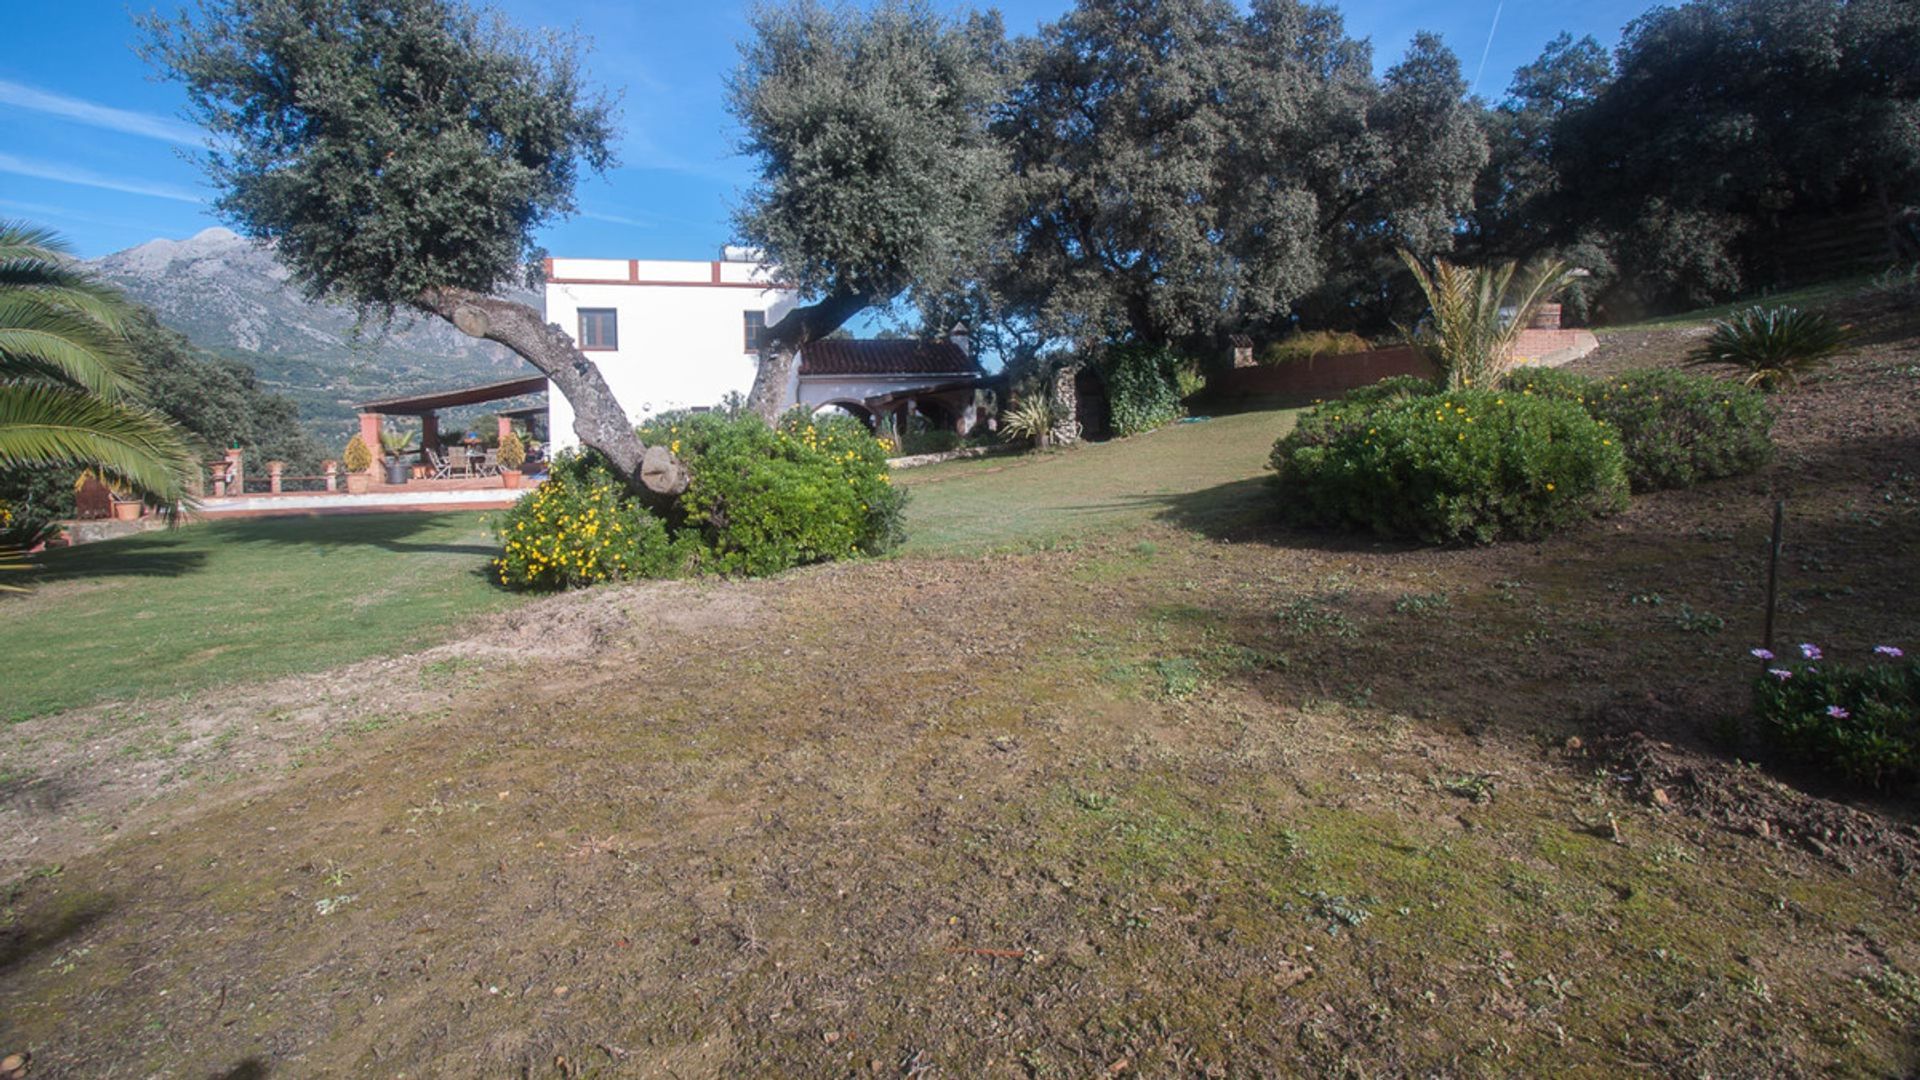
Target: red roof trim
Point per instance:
(762, 286)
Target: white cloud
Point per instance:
(73, 174)
(22, 96)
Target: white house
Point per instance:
(683, 334)
(666, 334)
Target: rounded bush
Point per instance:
(1677, 429)
(1469, 465)
(580, 527)
(767, 499)
(761, 500)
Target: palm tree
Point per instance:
(69, 383)
(1478, 314)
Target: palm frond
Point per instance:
(45, 424)
(13, 559)
(1477, 314)
(1774, 348)
(44, 341)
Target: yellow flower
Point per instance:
(1549, 485)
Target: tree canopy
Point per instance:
(386, 147)
(878, 178)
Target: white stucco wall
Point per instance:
(680, 330)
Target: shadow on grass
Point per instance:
(144, 556)
(326, 534)
(33, 937)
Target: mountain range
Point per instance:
(232, 297)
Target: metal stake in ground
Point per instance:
(1773, 572)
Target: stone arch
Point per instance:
(848, 406)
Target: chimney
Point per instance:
(962, 338)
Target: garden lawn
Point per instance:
(172, 611)
(1201, 473)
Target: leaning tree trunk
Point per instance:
(652, 472)
(784, 340)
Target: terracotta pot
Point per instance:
(511, 477)
(359, 483)
(126, 511)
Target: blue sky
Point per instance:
(91, 145)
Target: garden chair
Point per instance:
(490, 465)
(441, 468)
(457, 461)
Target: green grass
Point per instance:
(1825, 292)
(166, 612)
(1204, 475)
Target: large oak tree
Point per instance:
(403, 154)
(878, 177)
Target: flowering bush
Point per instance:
(1860, 722)
(581, 527)
(1677, 429)
(766, 499)
(1472, 465)
(761, 500)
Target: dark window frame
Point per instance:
(750, 333)
(613, 324)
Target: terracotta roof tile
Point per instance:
(841, 356)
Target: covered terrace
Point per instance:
(427, 407)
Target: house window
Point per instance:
(756, 327)
(599, 330)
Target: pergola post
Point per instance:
(506, 428)
(370, 434)
(429, 433)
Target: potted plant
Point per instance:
(358, 460)
(513, 454)
(397, 445)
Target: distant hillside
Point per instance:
(231, 297)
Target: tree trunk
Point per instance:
(652, 473)
(780, 348)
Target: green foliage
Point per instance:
(1142, 387)
(386, 149)
(70, 387)
(1773, 347)
(1393, 388)
(356, 457)
(1306, 346)
(1137, 132)
(218, 401)
(869, 128)
(762, 500)
(513, 452)
(1860, 723)
(768, 499)
(1677, 429)
(1033, 419)
(1468, 465)
(581, 527)
(1476, 315)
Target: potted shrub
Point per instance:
(513, 454)
(358, 460)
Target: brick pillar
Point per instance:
(332, 469)
(506, 428)
(370, 434)
(236, 468)
(274, 469)
(219, 471)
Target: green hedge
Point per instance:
(1142, 387)
(1858, 722)
(761, 500)
(1677, 429)
(1445, 467)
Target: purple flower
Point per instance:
(1780, 673)
(1809, 650)
(1889, 650)
(1763, 654)
(1837, 712)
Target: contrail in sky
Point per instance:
(1488, 48)
(22, 96)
